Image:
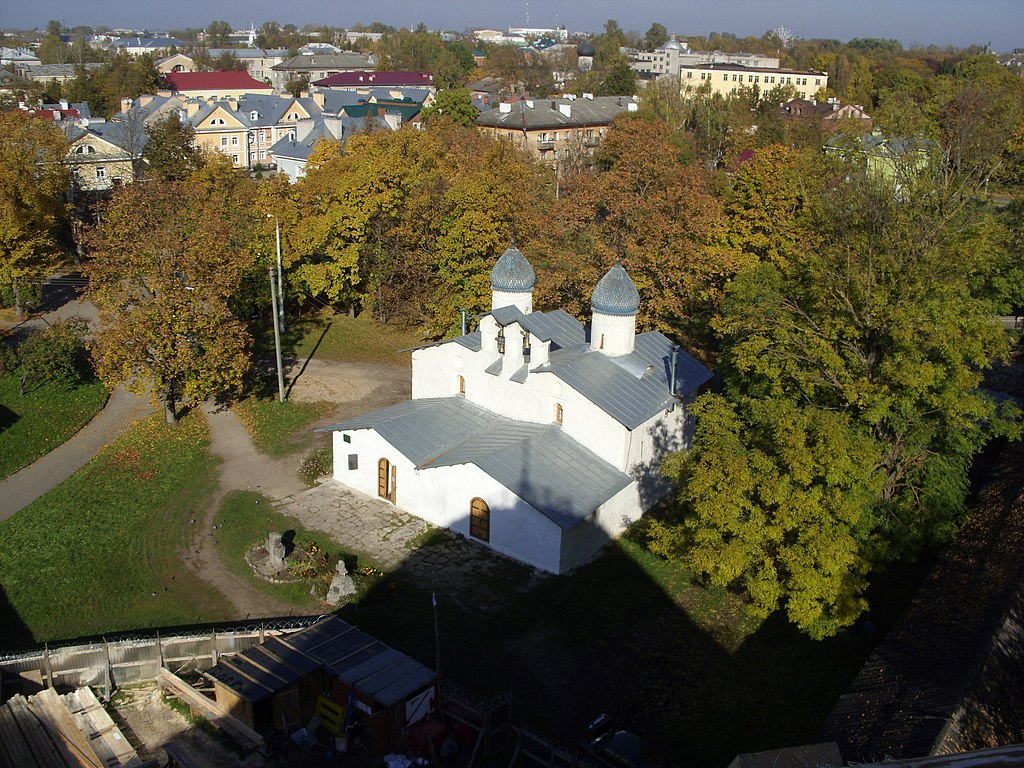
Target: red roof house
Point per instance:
(216, 84)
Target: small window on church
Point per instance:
(602, 342)
(353, 461)
(462, 385)
(347, 438)
(501, 341)
(526, 347)
(558, 414)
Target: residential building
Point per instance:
(61, 73)
(215, 85)
(105, 155)
(136, 46)
(12, 58)
(829, 114)
(893, 162)
(534, 435)
(361, 79)
(178, 62)
(291, 154)
(562, 133)
(667, 59)
(259, 62)
(725, 79)
(555, 33)
(319, 67)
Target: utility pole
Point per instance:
(280, 279)
(277, 335)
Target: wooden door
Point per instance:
(480, 520)
(383, 478)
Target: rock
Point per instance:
(342, 585)
(275, 552)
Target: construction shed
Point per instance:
(278, 684)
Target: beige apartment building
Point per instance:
(728, 78)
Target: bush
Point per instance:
(56, 355)
(315, 464)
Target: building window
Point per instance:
(601, 345)
(558, 414)
(217, 121)
(346, 438)
(223, 141)
(234, 141)
(85, 149)
(689, 74)
(353, 461)
(726, 77)
(501, 341)
(101, 172)
(479, 520)
(526, 347)
(462, 385)
(234, 159)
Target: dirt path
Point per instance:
(356, 387)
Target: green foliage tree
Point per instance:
(656, 36)
(32, 208)
(168, 258)
(217, 33)
(54, 355)
(455, 105)
(170, 148)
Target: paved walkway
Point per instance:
(46, 473)
(454, 567)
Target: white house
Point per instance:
(532, 434)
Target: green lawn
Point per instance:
(33, 425)
(100, 553)
(278, 429)
(337, 337)
(245, 520)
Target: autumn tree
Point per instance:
(852, 407)
(168, 258)
(170, 148)
(217, 33)
(32, 208)
(455, 105)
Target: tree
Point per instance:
(870, 329)
(32, 209)
(455, 105)
(54, 355)
(619, 79)
(168, 258)
(656, 36)
(170, 148)
(217, 33)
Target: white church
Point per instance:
(533, 435)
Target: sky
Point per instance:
(939, 22)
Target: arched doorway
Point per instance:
(480, 520)
(386, 477)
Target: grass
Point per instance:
(33, 425)
(278, 429)
(245, 520)
(337, 337)
(100, 553)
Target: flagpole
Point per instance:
(437, 635)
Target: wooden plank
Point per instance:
(44, 750)
(179, 756)
(12, 743)
(67, 729)
(105, 737)
(210, 709)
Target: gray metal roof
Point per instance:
(547, 113)
(538, 462)
(615, 293)
(513, 272)
(557, 326)
(630, 388)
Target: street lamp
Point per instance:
(280, 279)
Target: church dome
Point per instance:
(615, 293)
(585, 49)
(513, 272)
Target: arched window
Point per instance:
(462, 385)
(85, 149)
(479, 520)
(558, 414)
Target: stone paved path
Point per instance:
(454, 567)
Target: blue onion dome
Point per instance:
(615, 293)
(586, 49)
(513, 272)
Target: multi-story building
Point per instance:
(319, 67)
(562, 133)
(259, 62)
(729, 78)
(215, 85)
(670, 57)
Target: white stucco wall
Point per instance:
(612, 334)
(442, 496)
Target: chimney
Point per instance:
(565, 109)
(191, 108)
(393, 119)
(126, 104)
(505, 108)
(318, 99)
(63, 104)
(529, 103)
(589, 96)
(632, 106)
(302, 128)
(303, 94)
